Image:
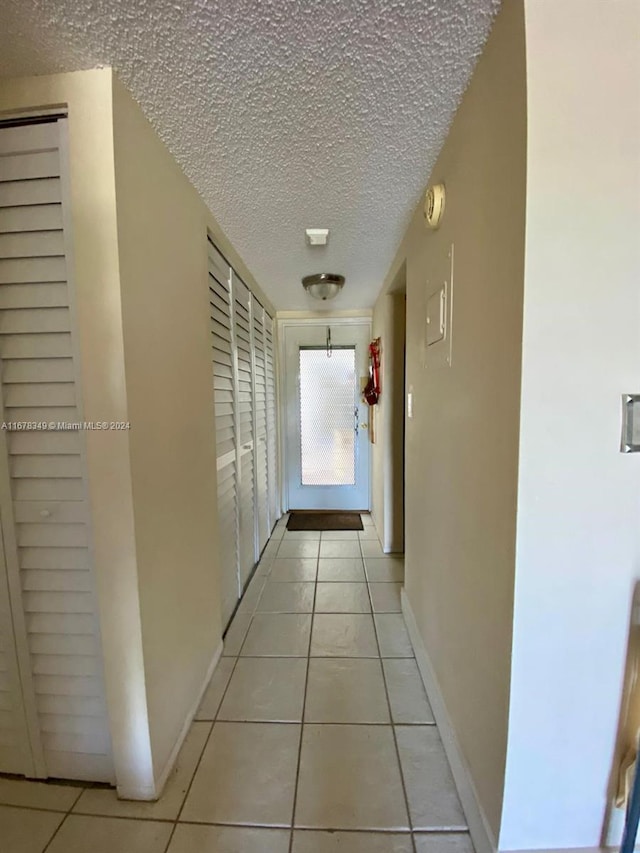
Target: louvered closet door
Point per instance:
(243, 343)
(15, 751)
(272, 438)
(43, 495)
(260, 409)
(220, 302)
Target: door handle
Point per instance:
(364, 426)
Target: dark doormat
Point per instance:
(324, 521)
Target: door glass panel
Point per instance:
(327, 416)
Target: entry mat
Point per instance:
(324, 521)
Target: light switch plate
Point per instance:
(436, 316)
(630, 439)
(437, 349)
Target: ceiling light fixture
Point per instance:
(323, 285)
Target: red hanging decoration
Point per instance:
(372, 388)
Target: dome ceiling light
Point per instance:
(323, 285)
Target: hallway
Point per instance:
(318, 639)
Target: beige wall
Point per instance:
(163, 272)
(387, 470)
(462, 441)
(578, 553)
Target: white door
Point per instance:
(327, 436)
(47, 602)
(272, 426)
(222, 349)
(260, 414)
(246, 454)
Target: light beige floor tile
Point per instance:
(38, 795)
(346, 690)
(287, 598)
(266, 689)
(343, 550)
(341, 570)
(277, 533)
(407, 696)
(349, 635)
(385, 570)
(393, 636)
(303, 549)
(236, 634)
(444, 842)
(340, 535)
(432, 795)
(342, 598)
(189, 838)
(372, 549)
(271, 550)
(314, 841)
(264, 566)
(368, 533)
(385, 597)
(293, 569)
(80, 834)
(303, 535)
(366, 518)
(252, 595)
(247, 775)
(215, 691)
(105, 802)
(278, 635)
(25, 830)
(349, 779)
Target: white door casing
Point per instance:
(350, 339)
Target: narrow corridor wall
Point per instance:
(462, 441)
(162, 232)
(387, 452)
(578, 552)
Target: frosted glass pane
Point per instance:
(327, 401)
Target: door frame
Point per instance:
(364, 319)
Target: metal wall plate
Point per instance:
(630, 440)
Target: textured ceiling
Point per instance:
(285, 114)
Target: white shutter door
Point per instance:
(260, 408)
(242, 335)
(272, 438)
(15, 753)
(43, 496)
(220, 302)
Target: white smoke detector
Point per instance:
(317, 236)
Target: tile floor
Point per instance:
(314, 736)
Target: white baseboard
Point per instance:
(146, 795)
(565, 850)
(161, 781)
(479, 829)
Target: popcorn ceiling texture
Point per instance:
(284, 114)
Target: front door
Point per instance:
(327, 436)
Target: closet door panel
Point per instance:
(43, 495)
(272, 431)
(221, 312)
(246, 443)
(260, 425)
